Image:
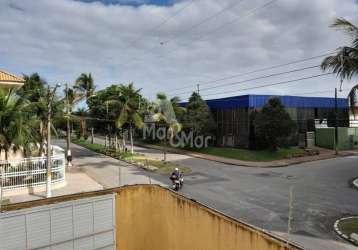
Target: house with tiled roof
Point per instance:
(8, 80)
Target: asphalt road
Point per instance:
(259, 196)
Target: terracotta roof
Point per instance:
(9, 78)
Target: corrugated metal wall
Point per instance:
(232, 127)
(80, 224)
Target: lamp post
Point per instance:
(50, 96)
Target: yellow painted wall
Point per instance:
(153, 218)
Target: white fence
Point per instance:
(31, 172)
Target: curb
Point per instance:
(343, 235)
(228, 161)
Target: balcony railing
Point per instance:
(32, 172)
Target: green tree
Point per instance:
(127, 104)
(165, 116)
(273, 123)
(345, 62)
(34, 90)
(17, 127)
(80, 116)
(85, 84)
(199, 116)
(179, 111)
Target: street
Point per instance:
(259, 196)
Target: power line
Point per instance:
(255, 71)
(252, 79)
(230, 6)
(252, 12)
(159, 25)
(318, 92)
(221, 26)
(269, 85)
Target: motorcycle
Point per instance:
(177, 183)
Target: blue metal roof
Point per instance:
(257, 101)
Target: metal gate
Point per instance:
(80, 224)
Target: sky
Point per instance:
(171, 46)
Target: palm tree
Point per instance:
(345, 63)
(71, 98)
(80, 116)
(128, 103)
(165, 115)
(178, 110)
(35, 92)
(16, 125)
(85, 84)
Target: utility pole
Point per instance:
(1, 186)
(198, 88)
(49, 151)
(336, 121)
(290, 217)
(69, 155)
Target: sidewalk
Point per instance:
(76, 182)
(107, 171)
(324, 154)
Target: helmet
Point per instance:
(176, 169)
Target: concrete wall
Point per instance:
(325, 137)
(347, 138)
(150, 217)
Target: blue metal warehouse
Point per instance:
(232, 115)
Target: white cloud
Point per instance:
(63, 38)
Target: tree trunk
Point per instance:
(165, 145)
(116, 142)
(42, 138)
(68, 134)
(123, 142)
(131, 137)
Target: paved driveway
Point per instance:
(259, 196)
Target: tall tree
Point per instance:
(273, 123)
(179, 111)
(85, 84)
(345, 62)
(128, 103)
(165, 116)
(34, 90)
(17, 127)
(199, 116)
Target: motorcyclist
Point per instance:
(176, 175)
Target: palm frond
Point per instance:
(122, 118)
(137, 120)
(348, 27)
(344, 64)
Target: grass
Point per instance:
(94, 147)
(349, 226)
(5, 201)
(163, 167)
(251, 155)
